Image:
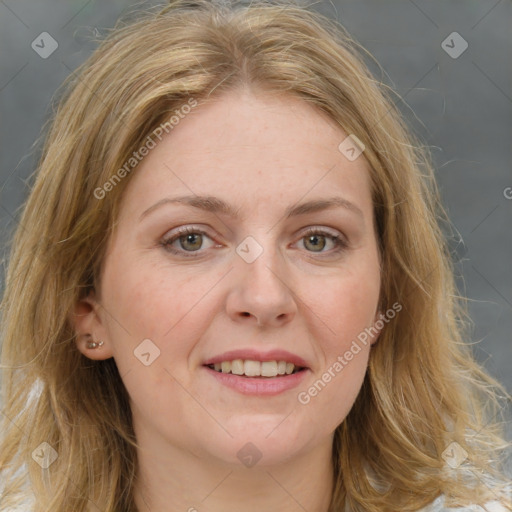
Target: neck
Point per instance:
(177, 480)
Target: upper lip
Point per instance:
(258, 355)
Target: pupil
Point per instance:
(314, 239)
(190, 238)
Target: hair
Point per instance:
(423, 388)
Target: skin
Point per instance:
(261, 154)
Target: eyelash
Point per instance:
(339, 243)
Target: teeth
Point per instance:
(269, 368)
(251, 368)
(237, 367)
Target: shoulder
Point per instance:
(23, 501)
(438, 505)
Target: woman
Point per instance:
(229, 287)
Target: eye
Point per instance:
(317, 239)
(188, 239)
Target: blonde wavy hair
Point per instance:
(423, 389)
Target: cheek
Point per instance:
(171, 307)
(153, 300)
(349, 311)
(346, 308)
(328, 399)
(347, 305)
(164, 306)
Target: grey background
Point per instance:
(461, 107)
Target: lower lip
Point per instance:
(260, 386)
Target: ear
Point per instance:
(88, 321)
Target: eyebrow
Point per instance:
(215, 205)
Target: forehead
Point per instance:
(251, 150)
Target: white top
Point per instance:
(436, 506)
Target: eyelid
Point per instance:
(338, 239)
(321, 229)
(167, 240)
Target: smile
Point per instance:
(252, 368)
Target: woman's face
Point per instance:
(265, 273)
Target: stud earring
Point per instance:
(94, 344)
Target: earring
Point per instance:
(94, 344)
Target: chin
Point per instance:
(260, 442)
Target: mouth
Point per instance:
(253, 372)
(256, 369)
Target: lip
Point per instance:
(260, 386)
(258, 355)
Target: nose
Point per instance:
(260, 292)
